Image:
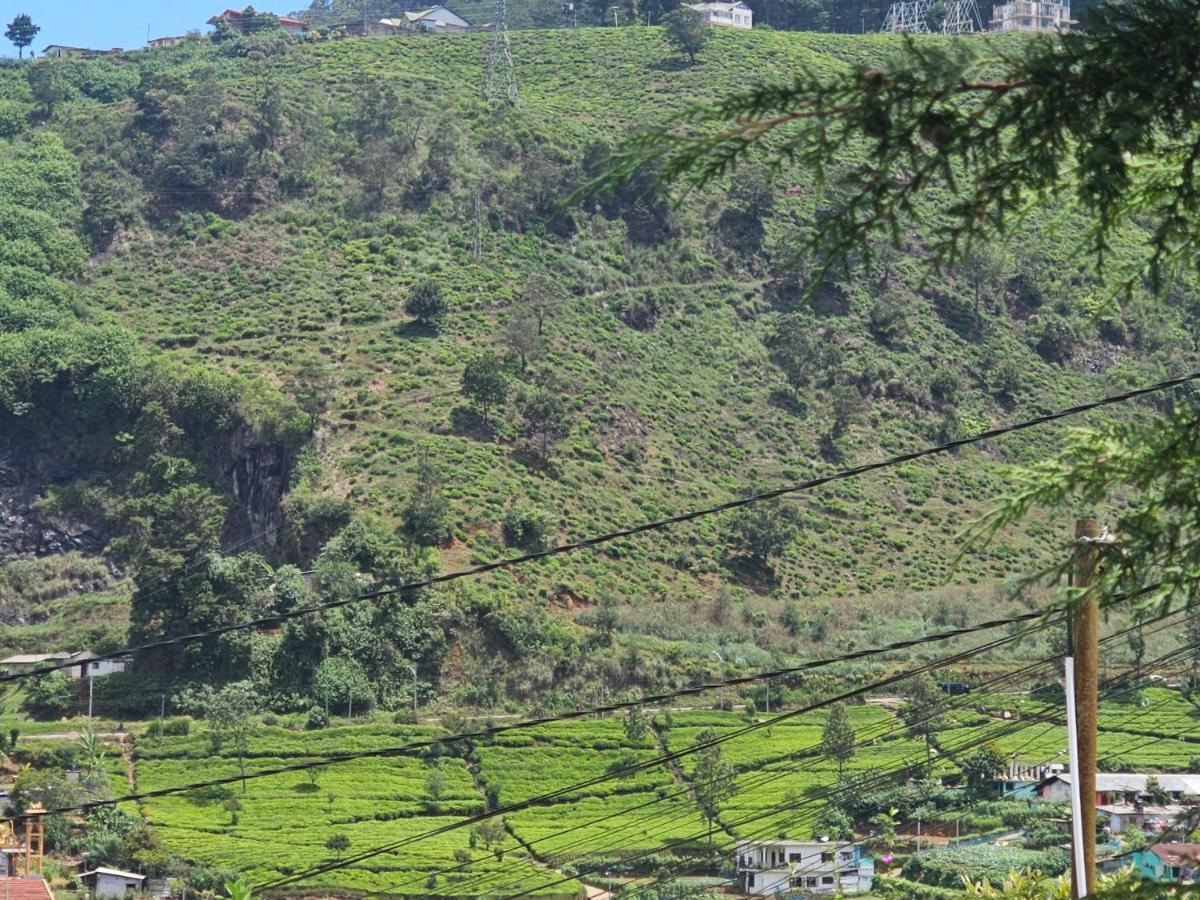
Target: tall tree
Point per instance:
(837, 740)
(484, 382)
(427, 513)
(21, 31)
(231, 723)
(544, 418)
(686, 31)
(427, 305)
(924, 709)
(713, 780)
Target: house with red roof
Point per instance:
(243, 21)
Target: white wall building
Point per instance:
(104, 882)
(804, 867)
(1027, 15)
(437, 19)
(727, 15)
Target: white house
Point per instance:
(163, 43)
(437, 19)
(809, 867)
(1028, 15)
(26, 662)
(728, 15)
(85, 665)
(1151, 819)
(102, 882)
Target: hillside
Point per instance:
(265, 211)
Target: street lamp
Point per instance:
(414, 674)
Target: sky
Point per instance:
(118, 23)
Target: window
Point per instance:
(795, 857)
(810, 881)
(827, 857)
(95, 665)
(847, 855)
(750, 880)
(826, 879)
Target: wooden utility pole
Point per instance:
(1086, 640)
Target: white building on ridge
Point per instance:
(804, 867)
(727, 15)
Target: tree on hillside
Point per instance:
(338, 843)
(426, 304)
(49, 696)
(522, 335)
(544, 416)
(924, 709)
(686, 31)
(21, 31)
(484, 382)
(233, 806)
(761, 531)
(713, 780)
(230, 721)
(837, 740)
(47, 84)
(427, 513)
(981, 770)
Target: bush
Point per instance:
(316, 719)
(50, 696)
(528, 528)
(180, 726)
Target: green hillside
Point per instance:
(266, 210)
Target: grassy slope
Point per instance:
(299, 281)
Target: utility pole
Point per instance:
(162, 714)
(1085, 663)
(477, 241)
(414, 674)
(720, 695)
(91, 681)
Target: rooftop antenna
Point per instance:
(501, 76)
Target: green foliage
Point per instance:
(338, 843)
(762, 531)
(21, 31)
(545, 420)
(981, 769)
(686, 31)
(837, 740)
(426, 516)
(528, 527)
(713, 779)
(426, 304)
(51, 696)
(485, 383)
(951, 867)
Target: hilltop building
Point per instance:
(725, 15)
(1028, 15)
(805, 867)
(62, 51)
(236, 19)
(437, 19)
(163, 43)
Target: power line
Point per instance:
(668, 757)
(653, 525)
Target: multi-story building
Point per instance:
(803, 868)
(1028, 15)
(727, 15)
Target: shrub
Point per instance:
(180, 726)
(528, 528)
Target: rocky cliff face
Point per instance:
(254, 472)
(25, 470)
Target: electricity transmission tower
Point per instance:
(501, 77)
(962, 17)
(908, 17)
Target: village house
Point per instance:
(726, 15)
(101, 882)
(83, 664)
(768, 868)
(163, 43)
(235, 19)
(437, 19)
(1124, 788)
(1172, 863)
(62, 51)
(1151, 819)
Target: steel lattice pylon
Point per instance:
(962, 17)
(501, 76)
(908, 17)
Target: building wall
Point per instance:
(114, 885)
